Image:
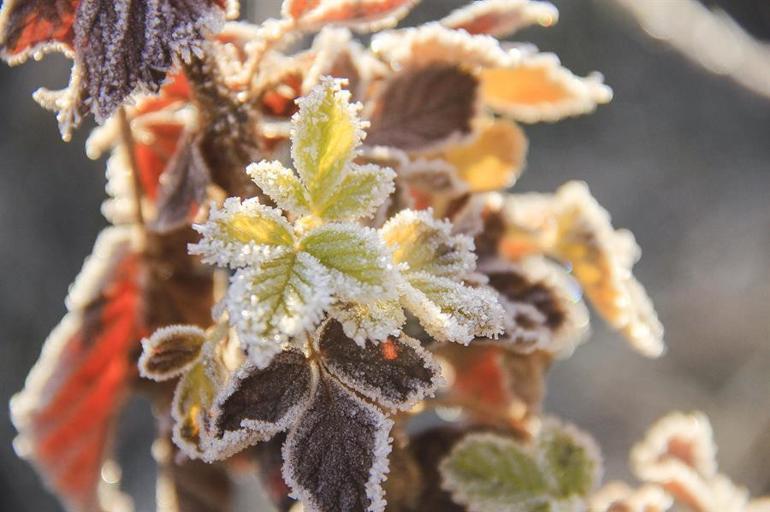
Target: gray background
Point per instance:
(680, 157)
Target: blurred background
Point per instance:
(681, 157)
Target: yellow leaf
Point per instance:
(494, 160)
(538, 88)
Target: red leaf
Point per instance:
(67, 409)
(30, 25)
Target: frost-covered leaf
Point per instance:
(336, 456)
(424, 107)
(66, 412)
(128, 45)
(119, 47)
(282, 185)
(433, 44)
(601, 260)
(451, 311)
(192, 399)
(395, 373)
(375, 320)
(325, 132)
(676, 448)
(258, 403)
(543, 307)
(492, 473)
(619, 497)
(500, 18)
(364, 15)
(357, 260)
(31, 26)
(243, 233)
(363, 189)
(424, 244)
(493, 160)
(170, 351)
(570, 460)
(571, 226)
(539, 89)
(182, 188)
(271, 302)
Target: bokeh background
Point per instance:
(681, 157)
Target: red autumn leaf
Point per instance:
(30, 25)
(66, 412)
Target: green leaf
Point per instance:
(569, 458)
(282, 185)
(326, 130)
(276, 300)
(240, 234)
(494, 473)
(452, 311)
(362, 191)
(555, 473)
(356, 258)
(425, 244)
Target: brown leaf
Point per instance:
(182, 187)
(256, 404)
(542, 310)
(395, 373)
(170, 351)
(126, 45)
(424, 107)
(336, 455)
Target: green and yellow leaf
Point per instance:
(452, 311)
(273, 302)
(243, 233)
(424, 244)
(363, 189)
(356, 259)
(325, 133)
(282, 185)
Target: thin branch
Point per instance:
(129, 143)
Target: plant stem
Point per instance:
(129, 143)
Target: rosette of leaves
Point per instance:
(556, 471)
(311, 257)
(315, 304)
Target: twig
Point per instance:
(129, 143)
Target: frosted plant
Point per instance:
(315, 270)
